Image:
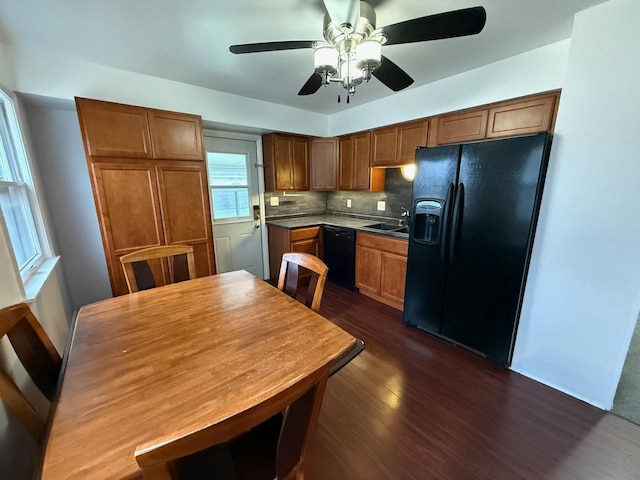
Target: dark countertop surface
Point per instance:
(337, 221)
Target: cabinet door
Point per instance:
(522, 118)
(346, 179)
(393, 277)
(324, 163)
(176, 135)
(282, 162)
(384, 146)
(300, 163)
(462, 127)
(361, 163)
(411, 136)
(186, 212)
(368, 269)
(129, 213)
(114, 130)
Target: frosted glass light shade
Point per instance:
(368, 53)
(349, 69)
(325, 58)
(408, 171)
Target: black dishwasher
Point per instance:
(340, 255)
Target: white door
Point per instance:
(235, 204)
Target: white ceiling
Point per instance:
(188, 40)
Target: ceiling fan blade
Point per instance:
(343, 11)
(271, 46)
(392, 75)
(312, 85)
(457, 23)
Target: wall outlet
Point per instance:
(348, 203)
(274, 201)
(381, 205)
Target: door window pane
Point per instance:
(230, 202)
(228, 179)
(227, 169)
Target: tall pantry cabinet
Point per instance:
(149, 180)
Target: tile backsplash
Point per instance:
(397, 193)
(295, 203)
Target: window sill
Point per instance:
(36, 281)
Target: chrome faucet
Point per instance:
(404, 220)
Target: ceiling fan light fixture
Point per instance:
(350, 74)
(326, 59)
(368, 55)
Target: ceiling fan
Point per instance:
(351, 51)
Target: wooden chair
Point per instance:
(39, 358)
(288, 278)
(275, 449)
(138, 273)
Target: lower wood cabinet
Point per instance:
(381, 268)
(299, 240)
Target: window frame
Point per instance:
(246, 185)
(20, 170)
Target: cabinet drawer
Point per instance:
(386, 244)
(304, 233)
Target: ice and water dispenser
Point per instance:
(427, 221)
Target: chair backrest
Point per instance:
(289, 272)
(297, 430)
(138, 273)
(39, 358)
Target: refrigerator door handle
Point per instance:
(455, 222)
(445, 222)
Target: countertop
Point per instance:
(337, 221)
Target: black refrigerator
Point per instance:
(473, 221)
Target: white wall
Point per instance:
(583, 293)
(59, 156)
(6, 72)
(58, 75)
(536, 71)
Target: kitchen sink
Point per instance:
(389, 227)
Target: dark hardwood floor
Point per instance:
(412, 406)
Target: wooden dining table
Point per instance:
(160, 364)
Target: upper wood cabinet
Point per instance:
(522, 117)
(324, 163)
(124, 131)
(461, 127)
(410, 136)
(176, 135)
(354, 172)
(114, 130)
(384, 145)
(396, 145)
(286, 162)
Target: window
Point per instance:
(228, 180)
(17, 198)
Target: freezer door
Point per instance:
(433, 190)
(501, 184)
